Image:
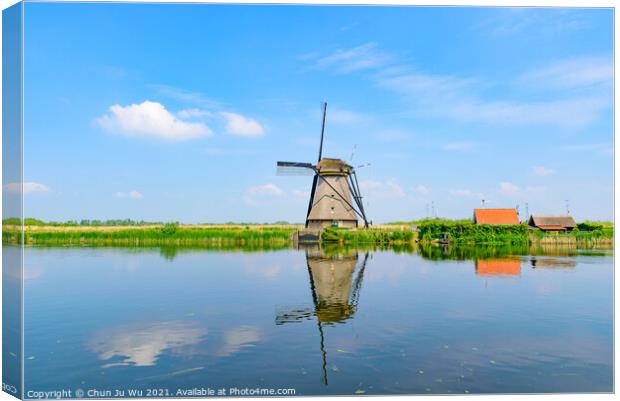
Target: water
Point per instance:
(341, 322)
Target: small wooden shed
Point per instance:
(552, 223)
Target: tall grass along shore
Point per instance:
(587, 234)
(164, 234)
(377, 236)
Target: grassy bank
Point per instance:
(458, 232)
(166, 234)
(377, 236)
(587, 234)
(190, 235)
(465, 232)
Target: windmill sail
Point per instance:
(322, 131)
(312, 192)
(295, 168)
(315, 181)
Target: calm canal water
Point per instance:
(335, 322)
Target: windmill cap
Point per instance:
(334, 166)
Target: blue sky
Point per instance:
(180, 112)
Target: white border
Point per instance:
(488, 3)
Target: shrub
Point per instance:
(169, 228)
(588, 226)
(468, 232)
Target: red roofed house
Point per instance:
(496, 216)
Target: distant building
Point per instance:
(496, 216)
(552, 223)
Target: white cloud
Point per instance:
(131, 195)
(458, 98)
(252, 194)
(29, 187)
(150, 119)
(421, 189)
(358, 58)
(573, 73)
(508, 188)
(415, 83)
(26, 187)
(185, 96)
(194, 113)
(542, 171)
(450, 97)
(241, 125)
(236, 124)
(459, 146)
(532, 22)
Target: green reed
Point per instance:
(166, 234)
(368, 236)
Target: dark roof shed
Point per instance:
(550, 221)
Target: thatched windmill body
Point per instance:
(335, 197)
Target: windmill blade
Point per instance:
(322, 130)
(311, 201)
(360, 203)
(295, 168)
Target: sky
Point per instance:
(179, 112)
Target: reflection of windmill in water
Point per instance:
(335, 198)
(335, 284)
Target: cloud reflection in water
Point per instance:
(142, 344)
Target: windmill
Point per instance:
(335, 197)
(335, 284)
